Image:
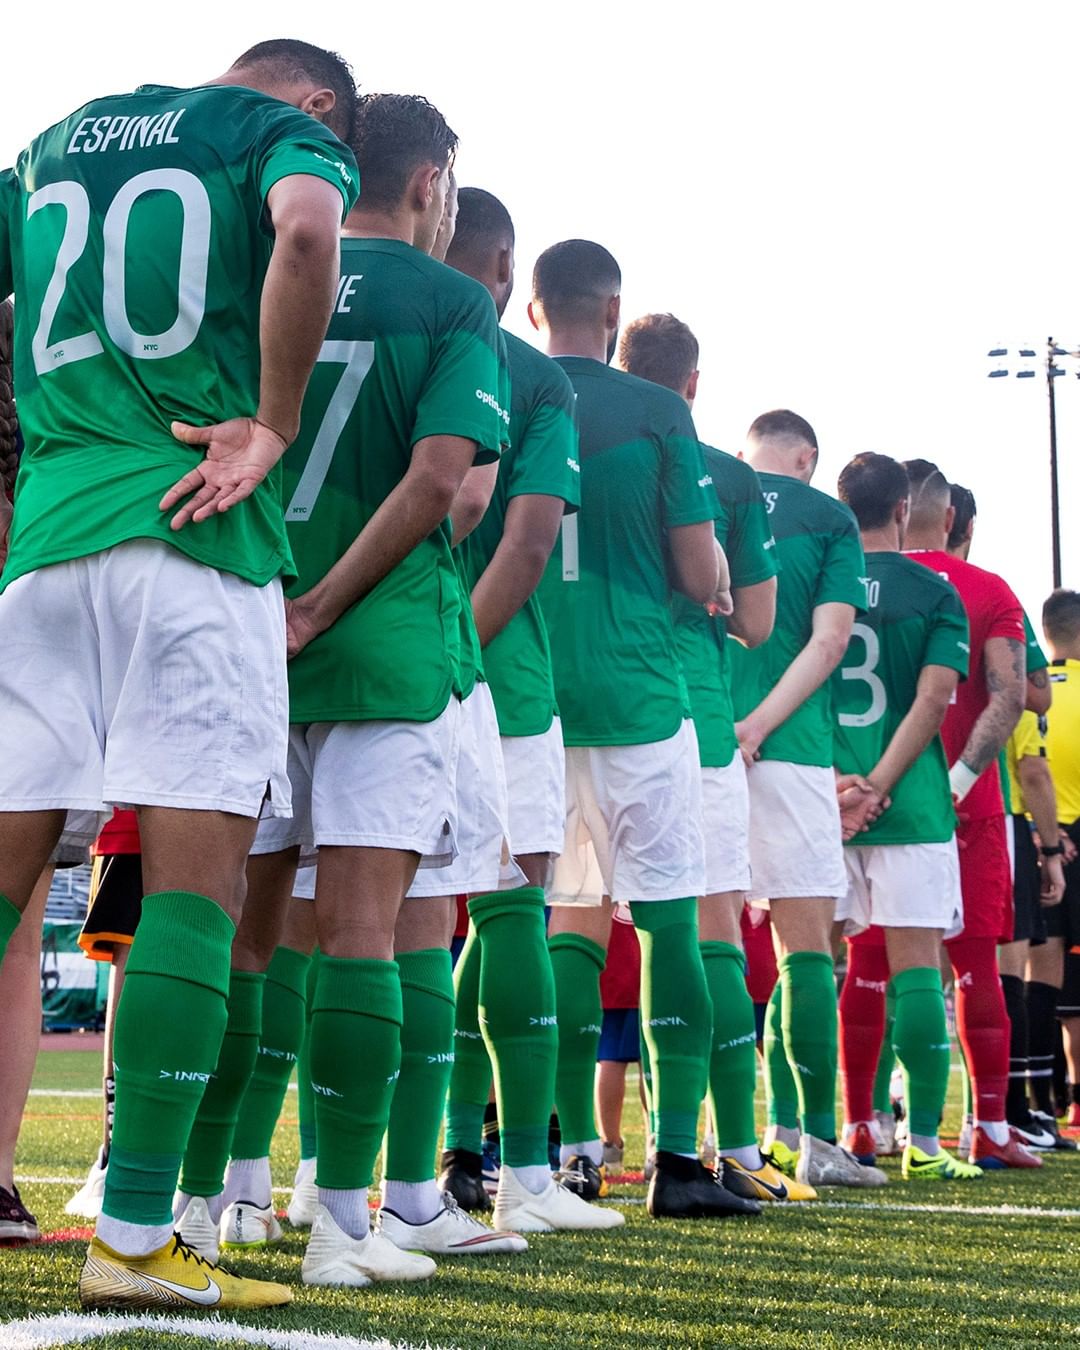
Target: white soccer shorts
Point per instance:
(137, 676)
(639, 806)
(902, 886)
(796, 848)
(371, 785)
(725, 801)
(536, 790)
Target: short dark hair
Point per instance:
(782, 424)
(872, 485)
(929, 491)
(661, 348)
(1061, 615)
(569, 278)
(963, 503)
(395, 135)
(291, 60)
(483, 223)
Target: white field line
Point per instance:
(39, 1333)
(85, 1092)
(874, 1206)
(25, 1180)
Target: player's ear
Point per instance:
(505, 265)
(691, 385)
(950, 519)
(319, 104)
(534, 312)
(614, 309)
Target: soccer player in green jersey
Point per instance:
(402, 403)
(907, 652)
(785, 730)
(633, 781)
(505, 989)
(174, 255)
(660, 348)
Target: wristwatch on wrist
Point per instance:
(1056, 852)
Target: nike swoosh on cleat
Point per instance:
(205, 1297)
(777, 1192)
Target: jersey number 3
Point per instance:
(866, 673)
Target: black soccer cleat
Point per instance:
(462, 1177)
(684, 1188)
(582, 1176)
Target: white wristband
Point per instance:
(962, 779)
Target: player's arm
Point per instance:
(529, 532)
(808, 672)
(419, 503)
(1006, 682)
(920, 725)
(472, 500)
(297, 297)
(753, 612)
(1041, 799)
(1038, 692)
(698, 565)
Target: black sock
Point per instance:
(1016, 1106)
(1041, 1000)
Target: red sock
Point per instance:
(862, 1026)
(982, 1022)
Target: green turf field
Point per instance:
(990, 1263)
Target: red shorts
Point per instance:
(761, 973)
(986, 879)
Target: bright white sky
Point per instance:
(849, 203)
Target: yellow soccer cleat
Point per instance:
(765, 1183)
(172, 1277)
(919, 1166)
(781, 1157)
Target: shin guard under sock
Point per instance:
(470, 1077)
(781, 1095)
(982, 1022)
(676, 1017)
(1043, 1033)
(305, 1097)
(210, 1143)
(862, 1027)
(809, 1024)
(921, 1042)
(170, 1023)
(518, 1018)
(576, 963)
(1012, 988)
(355, 1058)
(733, 1056)
(887, 1058)
(427, 1052)
(284, 1020)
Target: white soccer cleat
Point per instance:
(518, 1210)
(451, 1232)
(305, 1196)
(86, 1202)
(246, 1225)
(967, 1132)
(823, 1164)
(334, 1258)
(885, 1128)
(198, 1230)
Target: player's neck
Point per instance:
(883, 540)
(1069, 651)
(764, 459)
(925, 539)
(373, 224)
(578, 340)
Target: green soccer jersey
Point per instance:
(411, 352)
(821, 562)
(1035, 657)
(914, 618)
(605, 594)
(542, 459)
(135, 236)
(742, 528)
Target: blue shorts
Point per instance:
(619, 1036)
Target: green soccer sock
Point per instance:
(576, 963)
(809, 1022)
(427, 1051)
(646, 1082)
(10, 918)
(733, 1057)
(677, 1017)
(169, 1028)
(921, 1041)
(284, 1018)
(470, 1078)
(781, 1094)
(886, 1061)
(518, 1017)
(305, 1097)
(210, 1142)
(355, 1059)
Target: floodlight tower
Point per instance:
(1054, 351)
